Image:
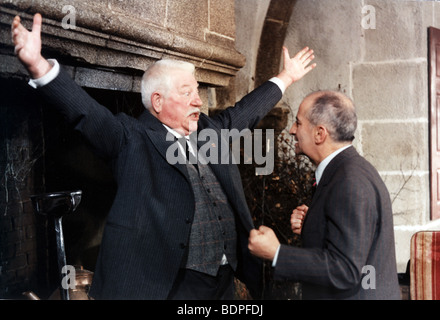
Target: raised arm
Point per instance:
(28, 47)
(249, 111)
(97, 124)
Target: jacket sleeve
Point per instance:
(248, 112)
(98, 125)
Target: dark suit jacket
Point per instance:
(149, 223)
(349, 225)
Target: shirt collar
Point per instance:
(190, 144)
(321, 167)
(174, 132)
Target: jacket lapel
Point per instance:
(329, 172)
(334, 165)
(157, 134)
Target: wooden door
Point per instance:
(434, 102)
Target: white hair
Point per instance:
(159, 78)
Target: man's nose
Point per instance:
(197, 102)
(293, 129)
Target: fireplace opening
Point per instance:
(70, 164)
(59, 159)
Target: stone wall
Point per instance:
(135, 33)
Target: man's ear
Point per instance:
(156, 102)
(321, 134)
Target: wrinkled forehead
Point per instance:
(184, 79)
(305, 106)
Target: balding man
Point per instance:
(348, 238)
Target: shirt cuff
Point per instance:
(279, 83)
(275, 258)
(48, 77)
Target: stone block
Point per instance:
(400, 31)
(102, 79)
(152, 11)
(220, 40)
(396, 90)
(409, 208)
(336, 35)
(396, 146)
(188, 17)
(218, 10)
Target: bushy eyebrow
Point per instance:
(186, 86)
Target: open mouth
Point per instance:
(194, 116)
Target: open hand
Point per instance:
(297, 67)
(28, 46)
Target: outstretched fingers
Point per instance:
(305, 56)
(297, 67)
(19, 34)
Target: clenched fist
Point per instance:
(297, 218)
(263, 243)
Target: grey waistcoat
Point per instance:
(213, 231)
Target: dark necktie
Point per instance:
(314, 186)
(190, 158)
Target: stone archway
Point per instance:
(272, 38)
(268, 61)
(271, 198)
